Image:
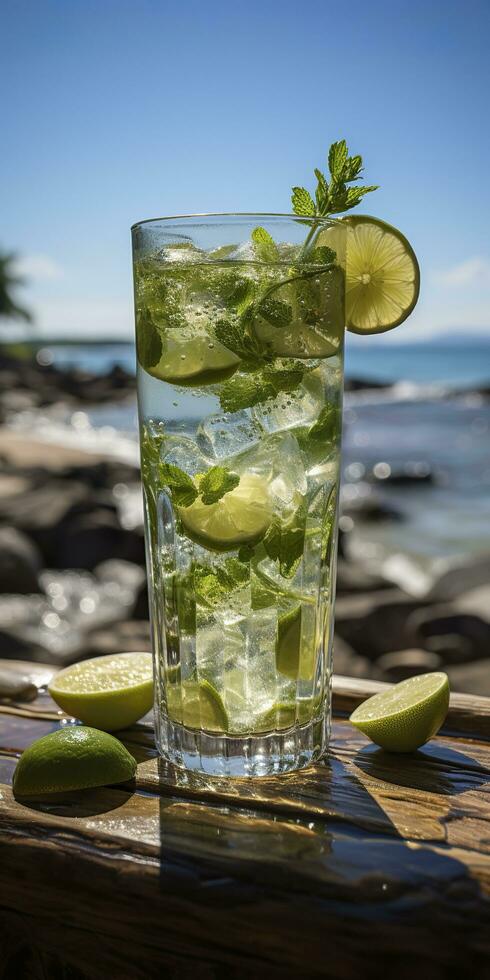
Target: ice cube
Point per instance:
(279, 460)
(223, 435)
(293, 408)
(183, 452)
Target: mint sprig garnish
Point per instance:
(216, 482)
(333, 196)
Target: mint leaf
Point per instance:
(302, 201)
(337, 159)
(323, 255)
(352, 169)
(181, 485)
(244, 392)
(327, 424)
(216, 482)
(235, 338)
(328, 522)
(277, 313)
(242, 294)
(212, 584)
(321, 193)
(284, 541)
(265, 247)
(287, 377)
(148, 341)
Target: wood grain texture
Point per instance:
(364, 863)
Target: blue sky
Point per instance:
(118, 110)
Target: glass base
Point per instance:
(238, 755)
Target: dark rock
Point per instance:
(364, 384)
(20, 562)
(89, 539)
(349, 663)
(352, 577)
(371, 510)
(412, 474)
(468, 618)
(471, 678)
(376, 622)
(400, 664)
(451, 647)
(460, 578)
(16, 685)
(125, 637)
(141, 609)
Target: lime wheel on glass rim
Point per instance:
(382, 276)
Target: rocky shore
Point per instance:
(72, 580)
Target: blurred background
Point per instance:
(119, 111)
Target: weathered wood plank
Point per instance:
(365, 862)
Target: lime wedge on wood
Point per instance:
(240, 517)
(382, 276)
(72, 758)
(106, 692)
(194, 361)
(406, 715)
(197, 704)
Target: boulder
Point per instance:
(400, 664)
(353, 577)
(347, 662)
(376, 622)
(460, 577)
(121, 638)
(468, 617)
(20, 562)
(89, 539)
(471, 678)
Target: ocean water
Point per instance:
(456, 365)
(432, 416)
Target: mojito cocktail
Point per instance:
(240, 340)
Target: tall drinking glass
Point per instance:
(239, 329)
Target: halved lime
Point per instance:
(382, 276)
(288, 647)
(72, 758)
(197, 704)
(194, 361)
(406, 715)
(240, 517)
(106, 692)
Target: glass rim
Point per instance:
(241, 214)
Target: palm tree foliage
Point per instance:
(9, 281)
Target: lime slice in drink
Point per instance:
(286, 714)
(382, 276)
(197, 704)
(288, 647)
(241, 516)
(72, 758)
(405, 716)
(298, 340)
(194, 361)
(106, 692)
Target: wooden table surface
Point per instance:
(361, 865)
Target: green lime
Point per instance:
(106, 692)
(240, 517)
(197, 704)
(406, 715)
(288, 647)
(285, 715)
(194, 361)
(72, 758)
(382, 276)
